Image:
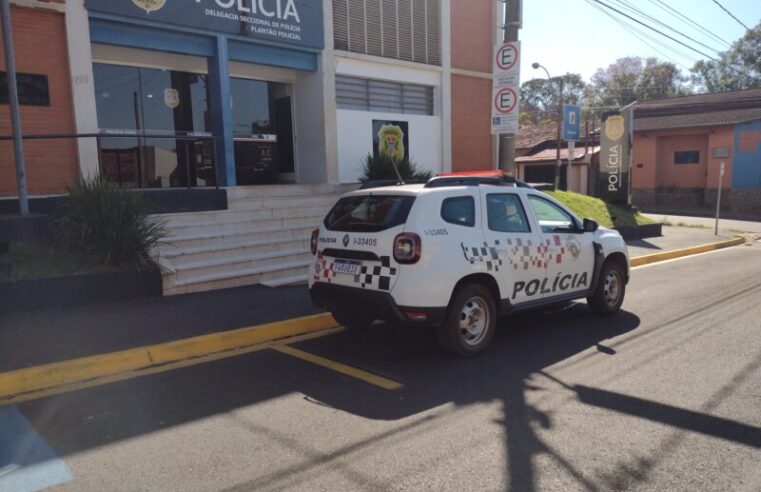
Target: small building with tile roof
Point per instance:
(680, 144)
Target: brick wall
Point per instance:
(473, 26)
(471, 127)
(40, 46)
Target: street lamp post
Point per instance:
(560, 121)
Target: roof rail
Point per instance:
(475, 179)
(377, 183)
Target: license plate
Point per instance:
(346, 267)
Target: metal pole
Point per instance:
(560, 124)
(507, 140)
(10, 69)
(718, 199)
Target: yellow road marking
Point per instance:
(46, 379)
(678, 253)
(339, 367)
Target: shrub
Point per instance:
(382, 167)
(109, 223)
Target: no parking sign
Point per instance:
(506, 88)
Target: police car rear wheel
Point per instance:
(469, 325)
(609, 293)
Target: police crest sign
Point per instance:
(149, 5)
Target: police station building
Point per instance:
(203, 93)
(248, 115)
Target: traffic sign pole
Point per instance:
(507, 140)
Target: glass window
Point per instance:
(32, 89)
(137, 100)
(460, 210)
(551, 217)
(505, 213)
(369, 213)
(687, 157)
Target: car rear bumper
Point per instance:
(380, 304)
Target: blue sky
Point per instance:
(573, 36)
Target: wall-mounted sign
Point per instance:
(292, 22)
(171, 98)
(613, 184)
(391, 139)
(506, 88)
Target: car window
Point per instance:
(369, 213)
(460, 210)
(551, 217)
(505, 213)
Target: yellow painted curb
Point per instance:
(678, 253)
(89, 371)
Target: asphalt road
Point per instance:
(664, 396)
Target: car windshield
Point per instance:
(369, 213)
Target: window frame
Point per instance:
(472, 222)
(686, 154)
(576, 229)
(527, 220)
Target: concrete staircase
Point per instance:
(263, 238)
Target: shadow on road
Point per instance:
(524, 346)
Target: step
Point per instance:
(183, 259)
(307, 201)
(213, 216)
(287, 281)
(225, 266)
(243, 192)
(246, 277)
(216, 241)
(242, 225)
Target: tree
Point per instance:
(737, 68)
(631, 79)
(539, 97)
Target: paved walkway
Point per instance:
(726, 226)
(675, 237)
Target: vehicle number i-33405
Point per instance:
(346, 267)
(365, 241)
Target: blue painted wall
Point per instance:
(746, 166)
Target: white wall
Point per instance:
(355, 141)
(355, 128)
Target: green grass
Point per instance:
(29, 261)
(606, 214)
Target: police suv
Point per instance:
(457, 252)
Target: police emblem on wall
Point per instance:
(149, 5)
(171, 98)
(615, 127)
(391, 139)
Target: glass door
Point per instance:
(156, 106)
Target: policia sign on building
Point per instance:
(615, 149)
(297, 22)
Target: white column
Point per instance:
(82, 85)
(446, 86)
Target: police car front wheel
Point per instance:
(609, 292)
(470, 321)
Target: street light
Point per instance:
(560, 122)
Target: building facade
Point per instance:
(170, 94)
(681, 143)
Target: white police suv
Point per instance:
(457, 252)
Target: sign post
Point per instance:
(506, 89)
(571, 123)
(718, 199)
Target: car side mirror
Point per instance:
(590, 225)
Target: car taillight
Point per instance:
(407, 248)
(313, 241)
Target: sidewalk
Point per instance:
(44, 336)
(726, 226)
